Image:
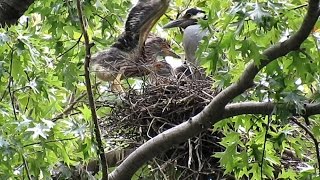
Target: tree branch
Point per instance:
(10, 85)
(25, 163)
(88, 46)
(11, 10)
(315, 141)
(264, 108)
(69, 108)
(75, 44)
(214, 112)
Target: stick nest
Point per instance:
(142, 115)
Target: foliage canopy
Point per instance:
(45, 118)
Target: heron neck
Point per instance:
(152, 55)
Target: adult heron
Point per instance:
(192, 35)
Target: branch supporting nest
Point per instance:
(141, 116)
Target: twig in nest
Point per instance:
(150, 127)
(190, 153)
(160, 169)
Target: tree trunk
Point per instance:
(12, 10)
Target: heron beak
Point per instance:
(182, 22)
(169, 52)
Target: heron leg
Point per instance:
(116, 84)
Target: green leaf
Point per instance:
(227, 158)
(86, 112)
(288, 174)
(39, 130)
(255, 171)
(316, 131)
(258, 14)
(4, 38)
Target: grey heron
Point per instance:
(192, 35)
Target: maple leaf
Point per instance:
(39, 130)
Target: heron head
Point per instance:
(190, 17)
(157, 46)
(162, 68)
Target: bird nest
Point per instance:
(142, 115)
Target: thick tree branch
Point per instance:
(231, 110)
(265, 108)
(88, 46)
(214, 112)
(11, 10)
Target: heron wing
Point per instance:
(143, 17)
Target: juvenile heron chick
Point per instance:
(128, 51)
(163, 73)
(155, 48)
(146, 63)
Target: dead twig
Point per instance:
(315, 141)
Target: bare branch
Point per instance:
(314, 139)
(75, 44)
(25, 164)
(69, 108)
(11, 93)
(264, 108)
(88, 46)
(214, 112)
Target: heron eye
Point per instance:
(158, 65)
(188, 15)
